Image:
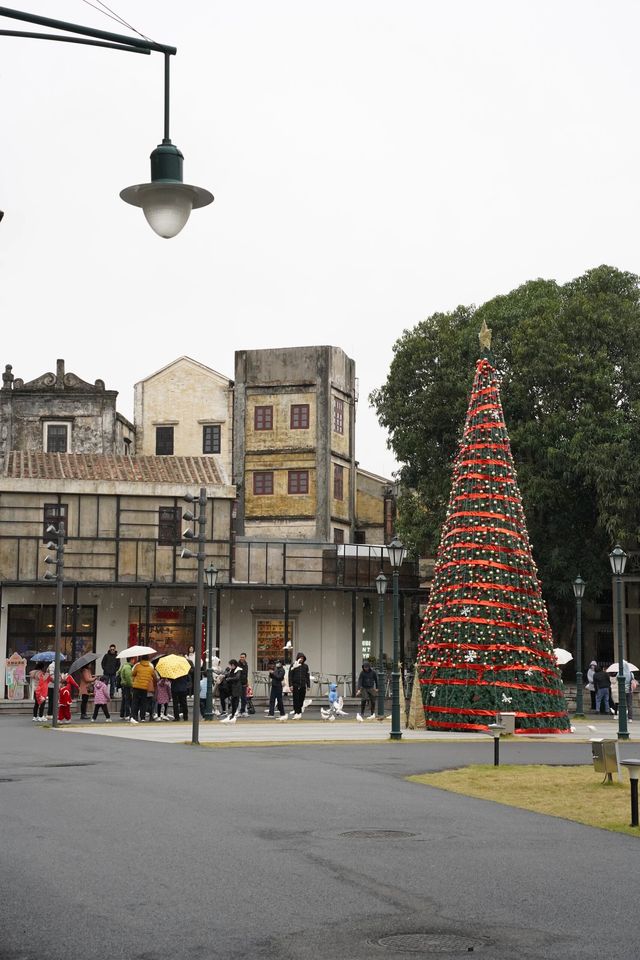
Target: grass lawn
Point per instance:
(573, 793)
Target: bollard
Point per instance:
(634, 773)
(495, 730)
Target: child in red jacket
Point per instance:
(64, 702)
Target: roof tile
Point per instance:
(93, 466)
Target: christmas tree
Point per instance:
(486, 645)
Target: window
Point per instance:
(169, 523)
(263, 418)
(298, 481)
(338, 415)
(164, 441)
(299, 416)
(32, 627)
(262, 482)
(359, 536)
(338, 481)
(52, 513)
(57, 437)
(338, 535)
(211, 438)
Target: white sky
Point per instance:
(372, 161)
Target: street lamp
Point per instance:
(396, 552)
(187, 554)
(618, 560)
(212, 575)
(166, 201)
(578, 592)
(58, 576)
(381, 587)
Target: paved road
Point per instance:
(140, 850)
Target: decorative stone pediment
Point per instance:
(52, 381)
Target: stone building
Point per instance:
(60, 413)
(185, 410)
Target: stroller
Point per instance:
(335, 705)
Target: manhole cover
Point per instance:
(377, 834)
(432, 943)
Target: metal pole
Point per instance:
(623, 732)
(208, 710)
(579, 681)
(202, 524)
(58, 641)
(396, 733)
(634, 803)
(167, 61)
(381, 672)
(496, 751)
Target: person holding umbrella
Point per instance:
(84, 685)
(143, 679)
(125, 676)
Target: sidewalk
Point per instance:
(261, 732)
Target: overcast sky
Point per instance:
(372, 162)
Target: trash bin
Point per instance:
(604, 753)
(508, 721)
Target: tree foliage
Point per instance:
(569, 364)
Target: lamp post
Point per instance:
(396, 552)
(211, 575)
(166, 201)
(187, 554)
(618, 560)
(381, 587)
(58, 576)
(578, 592)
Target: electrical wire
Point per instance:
(112, 15)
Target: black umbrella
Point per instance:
(82, 662)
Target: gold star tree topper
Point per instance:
(485, 336)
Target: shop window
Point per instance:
(270, 642)
(169, 630)
(31, 628)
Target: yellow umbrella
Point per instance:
(173, 666)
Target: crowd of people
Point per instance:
(604, 693)
(147, 696)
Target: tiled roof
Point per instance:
(95, 466)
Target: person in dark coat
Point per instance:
(244, 666)
(180, 687)
(367, 689)
(234, 686)
(299, 681)
(110, 665)
(602, 683)
(276, 676)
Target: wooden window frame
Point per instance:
(338, 415)
(57, 425)
(169, 526)
(338, 535)
(299, 417)
(263, 417)
(211, 437)
(298, 482)
(338, 481)
(163, 453)
(261, 486)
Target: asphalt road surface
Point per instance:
(116, 849)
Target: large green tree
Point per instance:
(569, 361)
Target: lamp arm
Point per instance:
(120, 38)
(53, 36)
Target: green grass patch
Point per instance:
(572, 793)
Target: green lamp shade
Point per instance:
(166, 205)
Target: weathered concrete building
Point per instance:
(294, 444)
(185, 410)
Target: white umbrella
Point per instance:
(135, 651)
(614, 667)
(562, 656)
